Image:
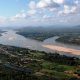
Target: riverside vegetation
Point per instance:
(25, 64)
(66, 35)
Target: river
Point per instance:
(11, 38)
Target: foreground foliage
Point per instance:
(25, 64)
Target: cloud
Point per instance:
(43, 7)
(18, 16)
(58, 1)
(31, 12)
(46, 16)
(32, 5)
(2, 19)
(47, 4)
(68, 10)
(76, 1)
(46, 11)
(41, 4)
(61, 6)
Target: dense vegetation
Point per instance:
(71, 39)
(38, 33)
(25, 64)
(67, 35)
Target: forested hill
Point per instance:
(42, 33)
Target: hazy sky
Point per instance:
(39, 12)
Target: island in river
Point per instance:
(42, 34)
(70, 39)
(12, 38)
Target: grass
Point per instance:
(36, 55)
(54, 73)
(56, 66)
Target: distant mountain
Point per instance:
(54, 27)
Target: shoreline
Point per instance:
(63, 49)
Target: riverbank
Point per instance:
(21, 63)
(63, 49)
(13, 39)
(70, 39)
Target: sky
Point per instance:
(39, 12)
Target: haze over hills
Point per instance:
(46, 27)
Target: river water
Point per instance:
(11, 38)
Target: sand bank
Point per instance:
(62, 49)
